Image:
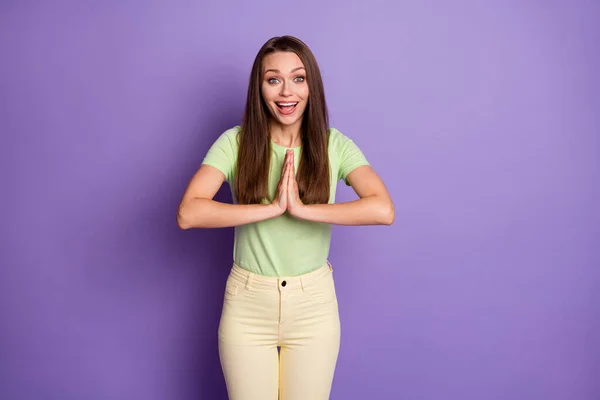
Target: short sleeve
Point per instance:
(350, 157)
(223, 153)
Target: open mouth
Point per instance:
(286, 107)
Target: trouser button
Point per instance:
(283, 283)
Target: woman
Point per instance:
(279, 333)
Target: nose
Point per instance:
(285, 89)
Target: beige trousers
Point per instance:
(297, 314)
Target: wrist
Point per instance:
(274, 210)
(301, 211)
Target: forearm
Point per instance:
(373, 210)
(206, 213)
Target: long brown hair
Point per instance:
(254, 156)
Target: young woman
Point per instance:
(279, 333)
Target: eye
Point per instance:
(272, 80)
(300, 79)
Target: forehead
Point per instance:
(284, 61)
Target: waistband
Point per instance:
(256, 281)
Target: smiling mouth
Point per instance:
(286, 108)
(283, 105)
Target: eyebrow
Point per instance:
(276, 70)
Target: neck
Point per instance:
(286, 135)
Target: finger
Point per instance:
(282, 177)
(293, 172)
(286, 176)
(287, 160)
(289, 163)
(283, 183)
(290, 174)
(293, 182)
(285, 165)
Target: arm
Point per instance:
(375, 206)
(198, 209)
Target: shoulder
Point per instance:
(226, 144)
(222, 154)
(228, 139)
(338, 141)
(232, 134)
(335, 136)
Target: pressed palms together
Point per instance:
(287, 196)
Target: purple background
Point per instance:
(481, 117)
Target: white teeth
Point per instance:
(286, 104)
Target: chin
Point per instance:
(289, 121)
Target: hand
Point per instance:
(280, 203)
(294, 203)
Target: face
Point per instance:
(284, 87)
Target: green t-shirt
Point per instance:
(284, 245)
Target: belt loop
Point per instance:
(302, 283)
(330, 266)
(248, 280)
